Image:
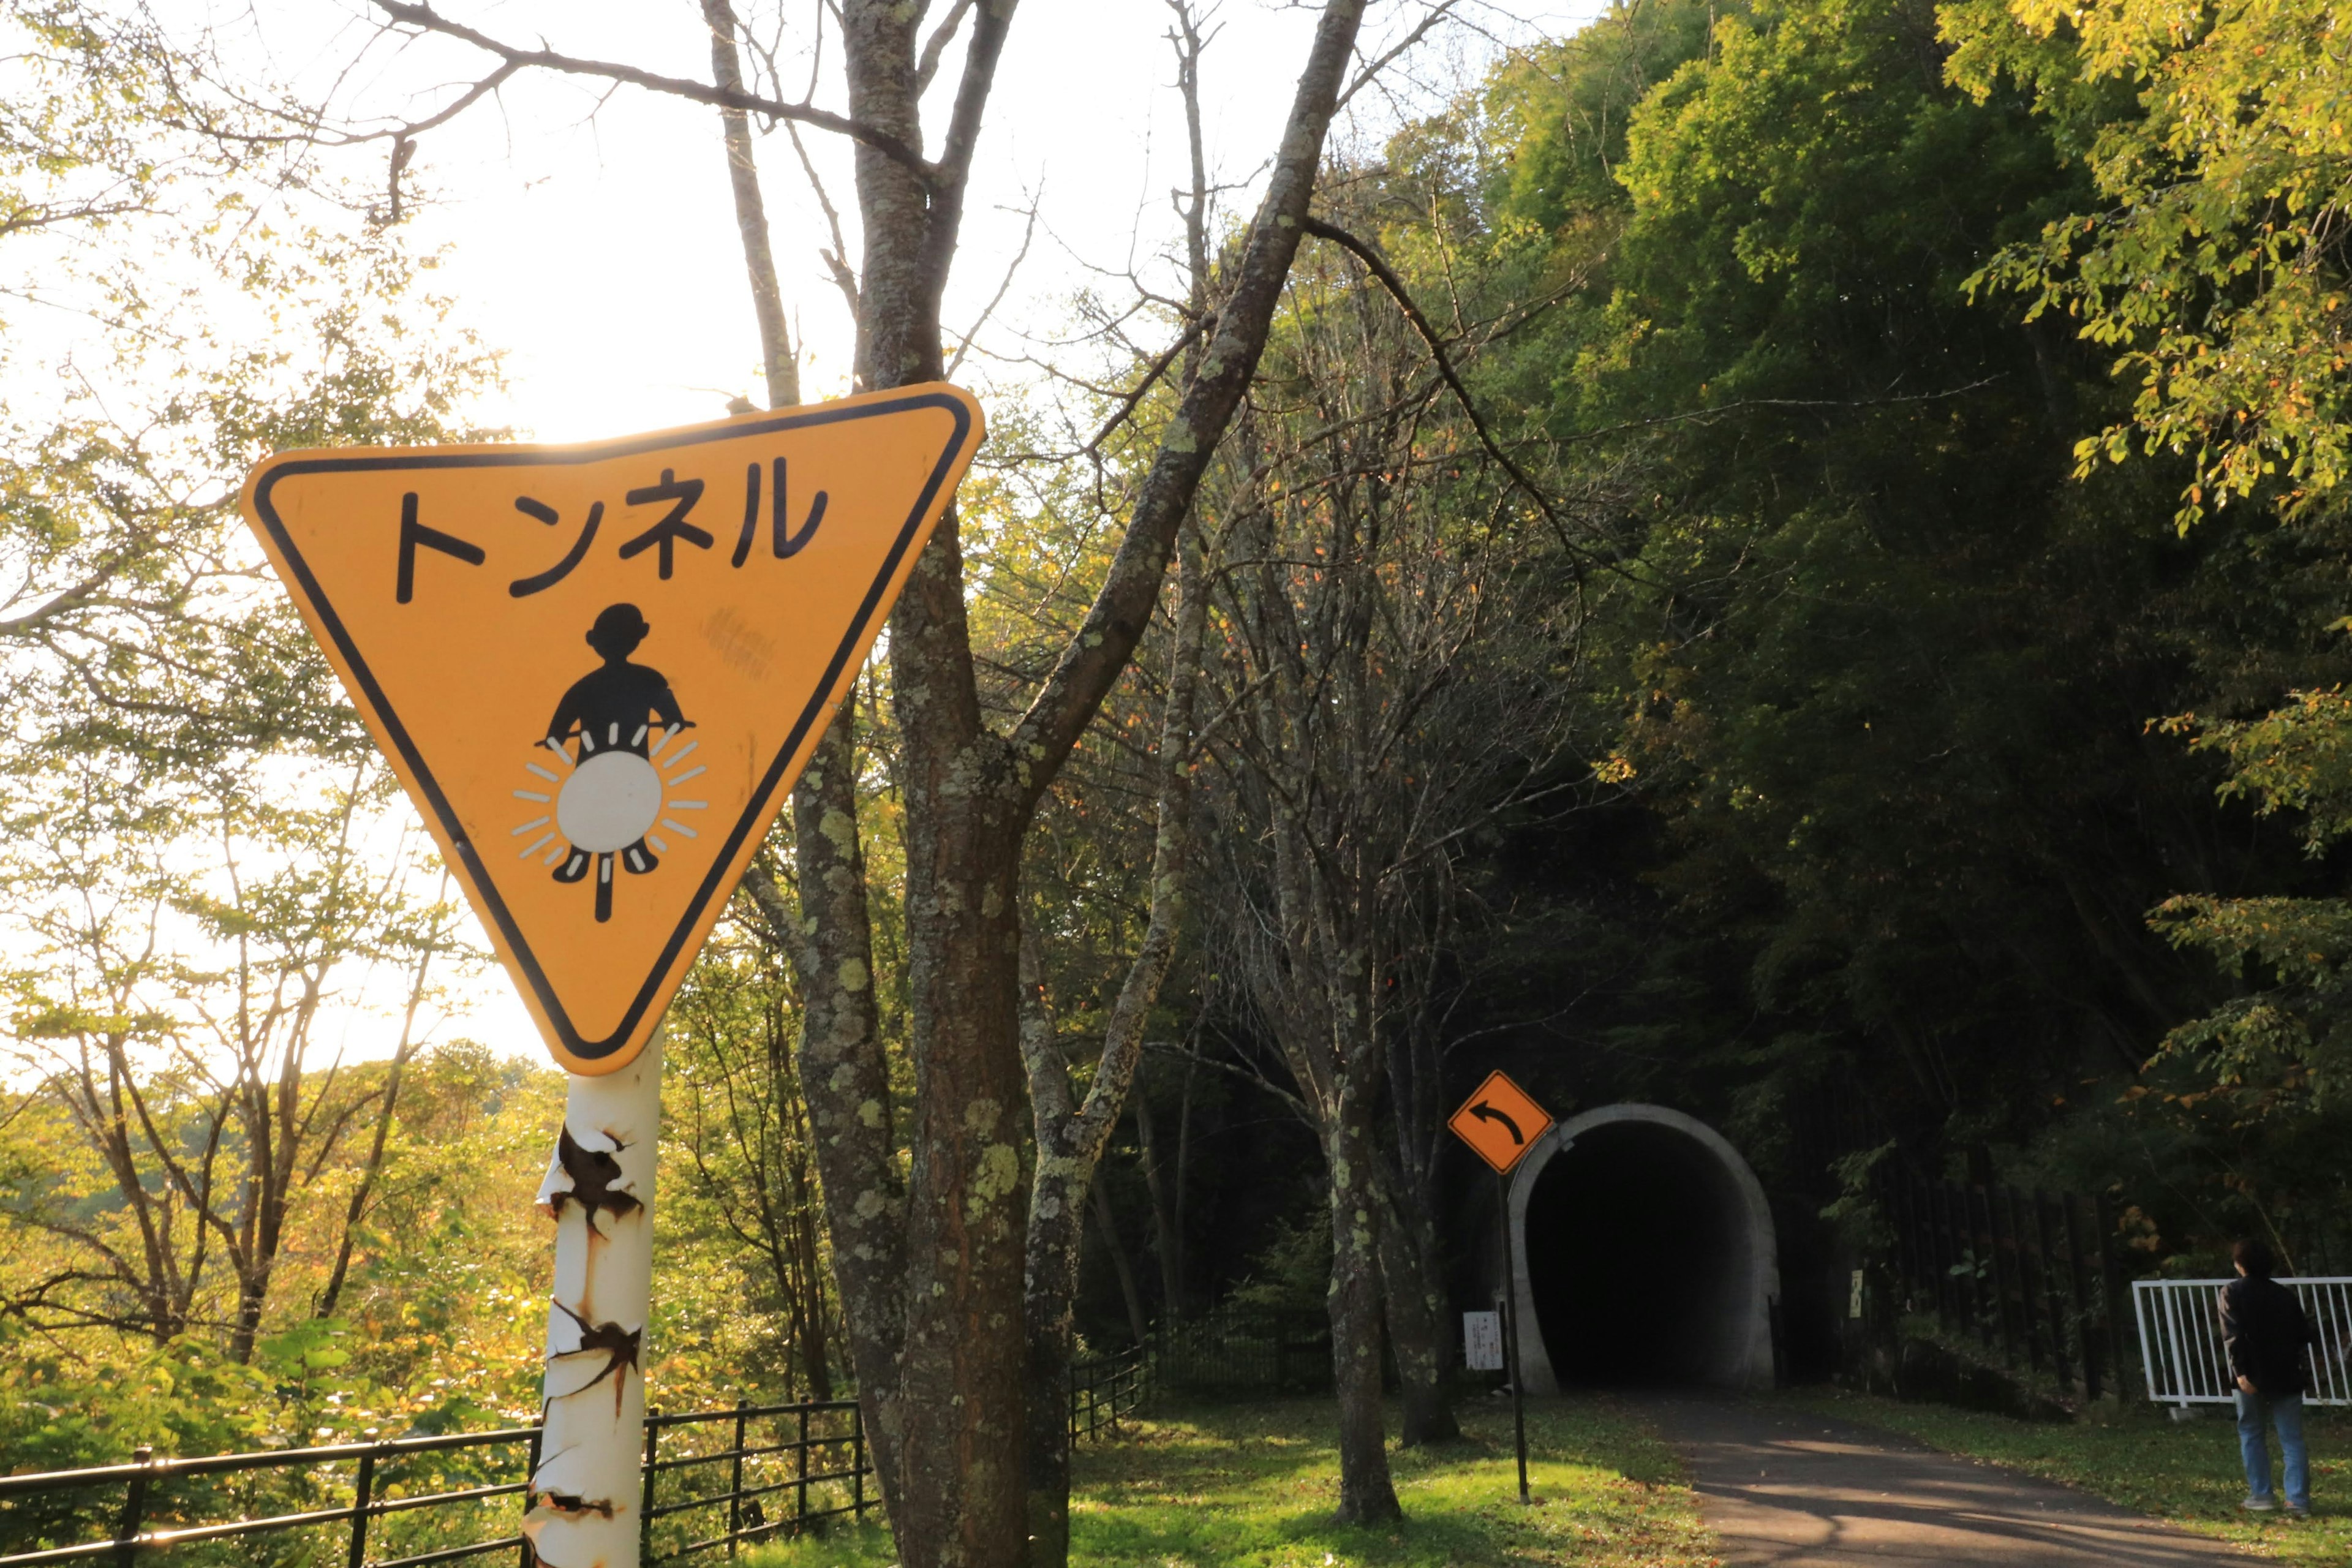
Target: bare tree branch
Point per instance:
(1093, 660)
(513, 57)
(1151, 375)
(928, 65)
(1380, 269)
(836, 260)
(1012, 270)
(1364, 77)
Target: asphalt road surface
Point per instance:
(1792, 1490)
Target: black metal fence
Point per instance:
(2030, 1271)
(408, 1502)
(1236, 1349)
(712, 1479)
(812, 1454)
(1106, 1390)
(1231, 1348)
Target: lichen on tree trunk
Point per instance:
(1366, 1496)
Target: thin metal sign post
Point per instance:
(1511, 1329)
(1501, 1121)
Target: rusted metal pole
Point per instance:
(585, 1496)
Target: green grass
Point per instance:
(867, 1546)
(1255, 1487)
(2187, 1473)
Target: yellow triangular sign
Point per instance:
(599, 668)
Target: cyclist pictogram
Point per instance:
(616, 737)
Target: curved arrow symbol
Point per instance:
(1485, 1112)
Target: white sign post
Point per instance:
(599, 1191)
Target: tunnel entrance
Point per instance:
(1645, 1255)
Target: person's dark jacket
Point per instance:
(2264, 1330)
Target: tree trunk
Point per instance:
(1066, 1154)
(252, 1293)
(844, 1079)
(1366, 1494)
(1305, 960)
(1053, 1252)
(816, 1357)
(356, 1209)
(1048, 1473)
(1417, 1322)
(1167, 1190)
(933, 1309)
(1070, 1140)
(1139, 1325)
(781, 367)
(1421, 1320)
(962, 1360)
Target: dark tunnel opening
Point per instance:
(1637, 1257)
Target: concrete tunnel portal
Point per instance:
(1646, 1256)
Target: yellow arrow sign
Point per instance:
(599, 668)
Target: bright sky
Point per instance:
(592, 235)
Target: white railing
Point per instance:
(2180, 1339)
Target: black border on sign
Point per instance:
(525, 456)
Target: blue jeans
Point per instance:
(2284, 1411)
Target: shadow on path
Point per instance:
(1793, 1489)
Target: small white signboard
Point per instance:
(1482, 1340)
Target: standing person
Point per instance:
(2264, 1330)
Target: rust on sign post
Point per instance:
(1501, 1121)
(599, 668)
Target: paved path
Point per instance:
(1790, 1490)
